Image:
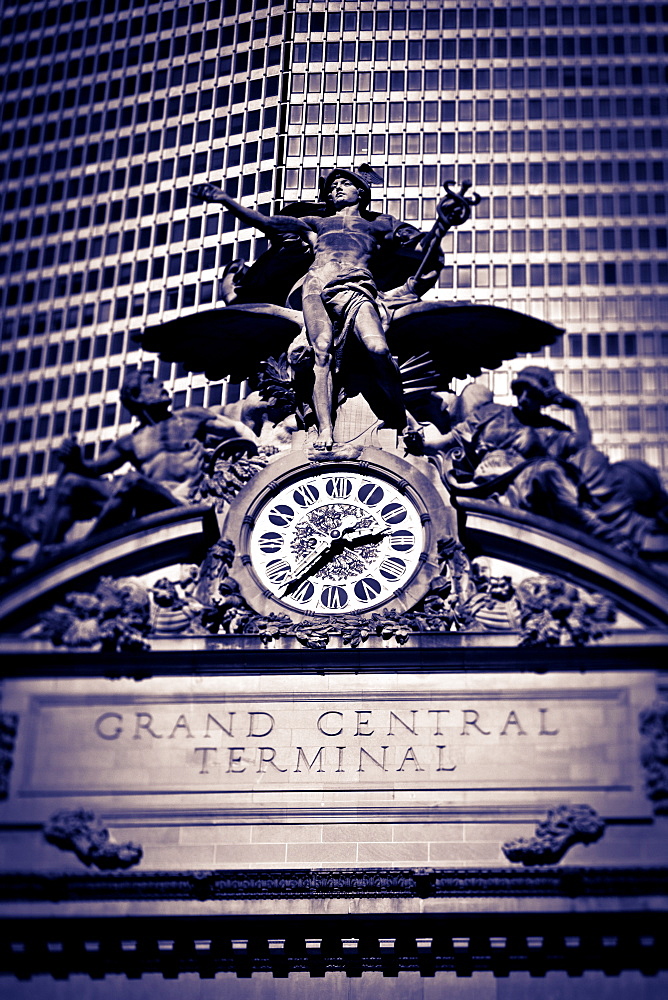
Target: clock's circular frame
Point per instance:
(400, 575)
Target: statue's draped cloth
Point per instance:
(345, 295)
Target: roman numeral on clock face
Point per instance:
(393, 513)
(334, 598)
(370, 494)
(392, 568)
(306, 495)
(402, 540)
(278, 570)
(270, 542)
(303, 593)
(339, 487)
(281, 515)
(367, 589)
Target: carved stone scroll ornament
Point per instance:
(83, 833)
(8, 726)
(565, 826)
(654, 754)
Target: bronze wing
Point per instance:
(228, 342)
(461, 340)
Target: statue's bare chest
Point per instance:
(169, 436)
(346, 233)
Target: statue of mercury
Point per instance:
(339, 293)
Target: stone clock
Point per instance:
(333, 538)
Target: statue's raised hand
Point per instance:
(558, 398)
(69, 454)
(207, 192)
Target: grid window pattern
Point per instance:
(555, 112)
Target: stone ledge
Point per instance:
(435, 653)
(420, 883)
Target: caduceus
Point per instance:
(453, 209)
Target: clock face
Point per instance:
(336, 542)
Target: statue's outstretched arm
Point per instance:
(111, 459)
(220, 427)
(275, 226)
(213, 194)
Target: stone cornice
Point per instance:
(419, 883)
(231, 655)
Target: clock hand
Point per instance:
(322, 549)
(320, 557)
(368, 534)
(327, 541)
(302, 568)
(325, 545)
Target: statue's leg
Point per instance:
(73, 498)
(544, 488)
(388, 378)
(135, 496)
(614, 506)
(320, 335)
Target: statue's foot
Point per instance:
(413, 438)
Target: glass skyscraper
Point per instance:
(112, 110)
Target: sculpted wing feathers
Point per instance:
(462, 340)
(459, 341)
(231, 341)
